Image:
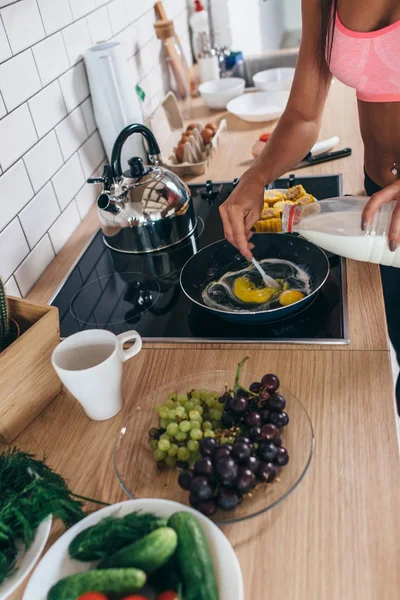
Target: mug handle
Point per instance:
(128, 336)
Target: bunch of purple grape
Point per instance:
(226, 473)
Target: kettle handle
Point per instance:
(154, 149)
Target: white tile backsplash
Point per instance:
(74, 86)
(82, 7)
(43, 160)
(5, 50)
(17, 135)
(19, 79)
(11, 288)
(39, 215)
(47, 125)
(15, 191)
(13, 248)
(91, 154)
(68, 181)
(64, 227)
(55, 14)
(47, 108)
(51, 58)
(34, 265)
(99, 26)
(23, 24)
(77, 40)
(71, 133)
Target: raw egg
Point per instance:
(290, 297)
(247, 292)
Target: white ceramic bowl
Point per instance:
(274, 80)
(57, 564)
(259, 107)
(216, 94)
(26, 560)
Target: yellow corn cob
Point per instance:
(269, 213)
(294, 193)
(306, 199)
(281, 205)
(272, 196)
(268, 226)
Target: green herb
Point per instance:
(111, 534)
(29, 492)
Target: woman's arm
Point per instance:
(294, 135)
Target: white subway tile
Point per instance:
(19, 79)
(17, 135)
(55, 14)
(81, 8)
(51, 58)
(68, 181)
(86, 197)
(87, 110)
(118, 15)
(99, 26)
(43, 160)
(23, 24)
(91, 154)
(39, 215)
(64, 227)
(74, 86)
(71, 133)
(34, 265)
(5, 50)
(11, 288)
(101, 2)
(3, 110)
(47, 108)
(145, 28)
(13, 248)
(77, 40)
(15, 192)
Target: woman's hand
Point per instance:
(241, 210)
(391, 193)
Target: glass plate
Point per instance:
(137, 470)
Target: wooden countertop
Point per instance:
(337, 536)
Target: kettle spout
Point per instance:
(109, 203)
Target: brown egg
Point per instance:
(207, 135)
(179, 153)
(212, 126)
(183, 140)
(192, 126)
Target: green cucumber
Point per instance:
(194, 558)
(113, 581)
(149, 553)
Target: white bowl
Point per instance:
(274, 80)
(26, 560)
(56, 564)
(216, 94)
(259, 107)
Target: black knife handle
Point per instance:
(329, 156)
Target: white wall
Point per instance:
(292, 14)
(49, 144)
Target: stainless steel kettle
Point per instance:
(146, 208)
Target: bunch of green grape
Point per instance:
(185, 419)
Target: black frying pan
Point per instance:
(214, 260)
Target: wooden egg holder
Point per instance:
(167, 124)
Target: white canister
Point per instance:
(115, 102)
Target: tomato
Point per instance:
(264, 137)
(134, 597)
(169, 595)
(93, 596)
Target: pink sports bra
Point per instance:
(368, 62)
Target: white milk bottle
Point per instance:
(335, 225)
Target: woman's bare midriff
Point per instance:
(380, 131)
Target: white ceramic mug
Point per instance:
(89, 364)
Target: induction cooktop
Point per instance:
(118, 291)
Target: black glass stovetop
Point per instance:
(116, 291)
